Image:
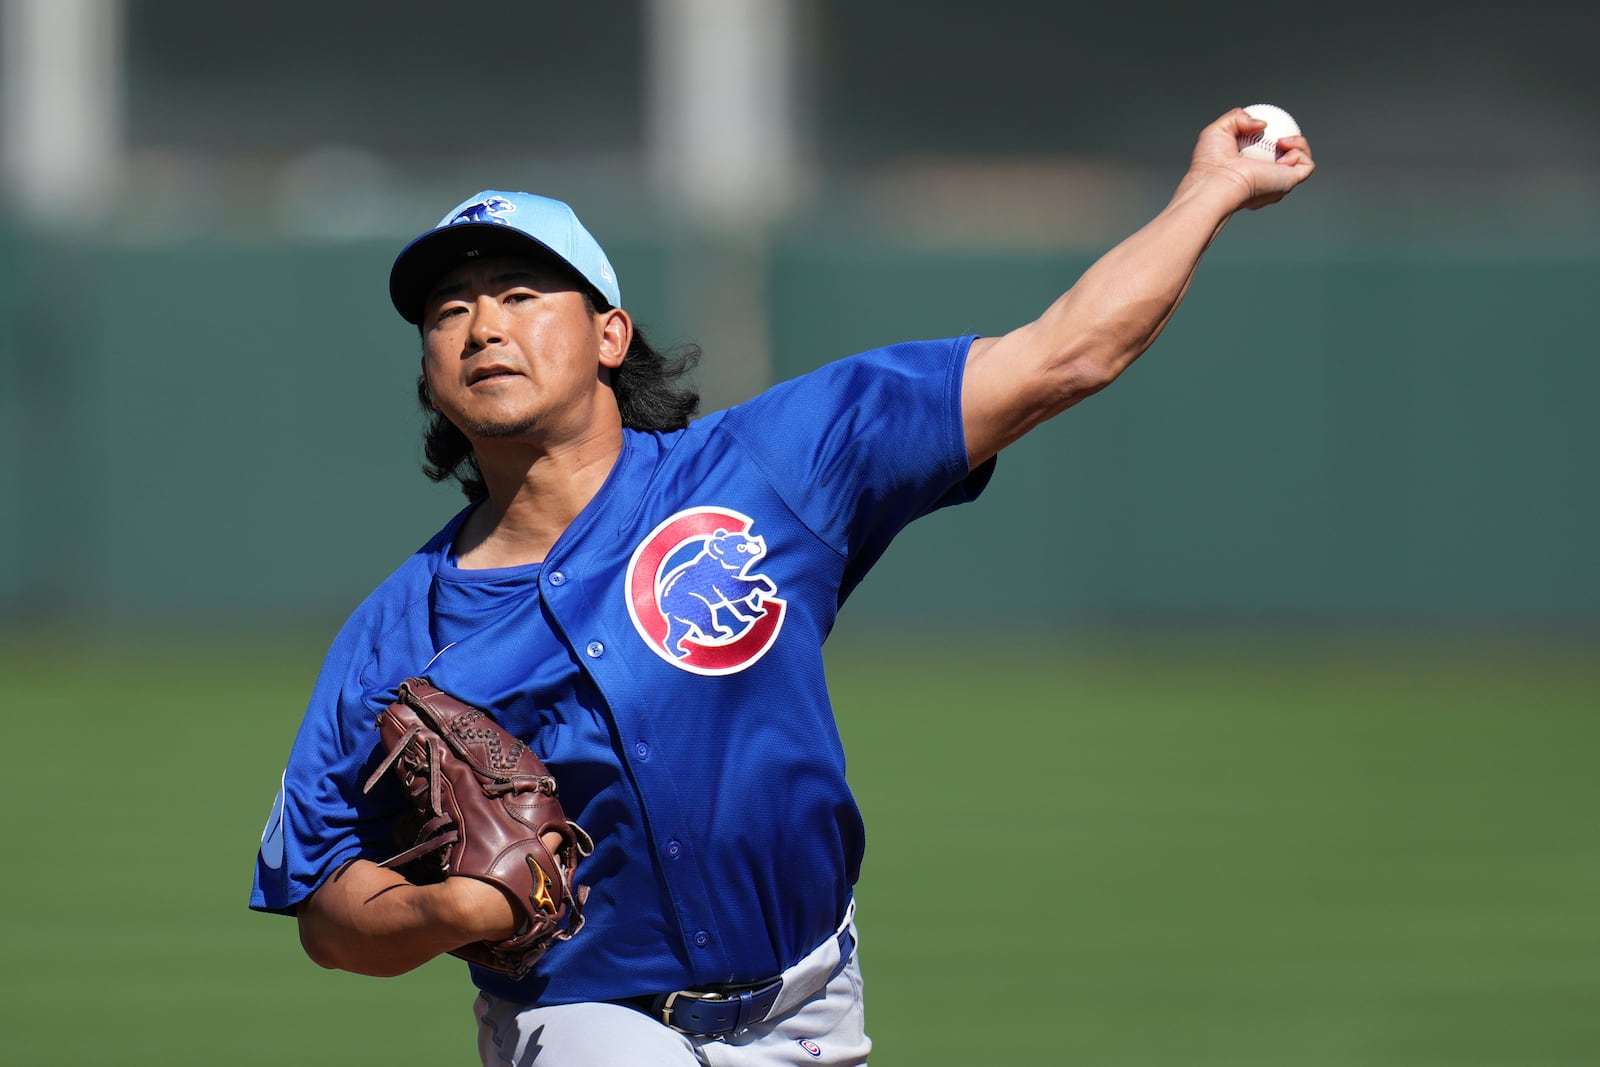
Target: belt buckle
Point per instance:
(723, 1014)
(684, 994)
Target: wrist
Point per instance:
(472, 909)
(1217, 191)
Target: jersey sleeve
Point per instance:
(863, 446)
(320, 818)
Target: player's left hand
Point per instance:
(1256, 182)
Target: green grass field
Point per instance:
(1286, 853)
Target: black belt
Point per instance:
(727, 1010)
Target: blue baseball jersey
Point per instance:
(666, 662)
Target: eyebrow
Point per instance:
(509, 276)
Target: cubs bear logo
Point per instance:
(488, 210)
(694, 594)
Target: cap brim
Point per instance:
(420, 265)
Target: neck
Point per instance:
(534, 495)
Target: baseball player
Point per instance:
(643, 601)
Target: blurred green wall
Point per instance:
(225, 434)
(13, 500)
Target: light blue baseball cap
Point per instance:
(498, 223)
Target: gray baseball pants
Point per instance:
(814, 1021)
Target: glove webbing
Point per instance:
(436, 801)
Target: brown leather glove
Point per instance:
(480, 801)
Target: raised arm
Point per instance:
(1120, 305)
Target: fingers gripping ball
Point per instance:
(1264, 145)
(480, 802)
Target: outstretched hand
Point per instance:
(1257, 182)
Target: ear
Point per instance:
(616, 334)
(427, 390)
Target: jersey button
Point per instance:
(557, 578)
(595, 649)
(641, 750)
(701, 939)
(674, 849)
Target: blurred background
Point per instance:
(1296, 623)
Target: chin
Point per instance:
(500, 429)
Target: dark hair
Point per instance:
(649, 396)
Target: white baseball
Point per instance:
(1264, 145)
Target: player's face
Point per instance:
(510, 347)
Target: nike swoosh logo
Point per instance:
(272, 836)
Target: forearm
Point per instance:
(1120, 305)
(1105, 321)
(370, 920)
